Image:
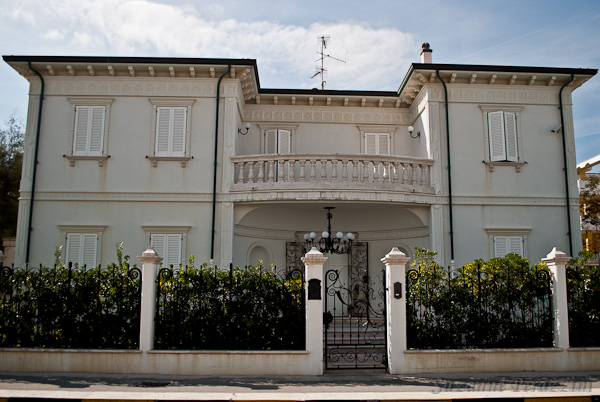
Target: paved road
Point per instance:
(365, 385)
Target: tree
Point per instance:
(11, 158)
(590, 206)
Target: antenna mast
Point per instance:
(324, 41)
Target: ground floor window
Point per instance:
(82, 249)
(507, 241)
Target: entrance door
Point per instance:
(354, 316)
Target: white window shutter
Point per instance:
(96, 129)
(73, 248)
(383, 146)
(370, 143)
(163, 124)
(284, 142)
(496, 136)
(271, 142)
(510, 130)
(158, 241)
(89, 249)
(80, 137)
(173, 255)
(515, 244)
(500, 246)
(178, 131)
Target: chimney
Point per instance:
(426, 53)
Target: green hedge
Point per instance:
(583, 291)
(235, 309)
(500, 303)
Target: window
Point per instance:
(506, 241)
(169, 242)
(171, 127)
(83, 244)
(89, 129)
(502, 132)
(170, 131)
(82, 249)
(278, 141)
(168, 246)
(502, 136)
(377, 143)
(507, 244)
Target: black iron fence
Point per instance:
(251, 308)
(70, 307)
(583, 295)
(502, 303)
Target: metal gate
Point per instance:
(354, 317)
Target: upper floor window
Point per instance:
(377, 143)
(171, 128)
(502, 136)
(502, 132)
(278, 141)
(88, 139)
(90, 118)
(170, 131)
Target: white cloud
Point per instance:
(53, 34)
(375, 58)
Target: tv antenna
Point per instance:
(324, 41)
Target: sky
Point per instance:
(376, 39)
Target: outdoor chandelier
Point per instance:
(340, 244)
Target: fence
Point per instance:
(503, 303)
(70, 307)
(236, 309)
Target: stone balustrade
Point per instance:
(337, 171)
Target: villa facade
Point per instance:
(193, 156)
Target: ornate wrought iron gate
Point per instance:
(354, 317)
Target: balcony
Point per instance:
(350, 172)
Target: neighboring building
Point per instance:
(126, 152)
(589, 228)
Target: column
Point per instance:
(150, 260)
(556, 262)
(313, 282)
(395, 299)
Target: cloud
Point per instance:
(53, 34)
(375, 58)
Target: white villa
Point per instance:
(193, 156)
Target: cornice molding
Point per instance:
(254, 232)
(318, 114)
(147, 87)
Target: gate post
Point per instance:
(556, 262)
(150, 259)
(313, 302)
(395, 300)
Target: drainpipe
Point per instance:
(35, 162)
(564, 141)
(437, 72)
(214, 194)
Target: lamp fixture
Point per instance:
(245, 132)
(339, 244)
(410, 131)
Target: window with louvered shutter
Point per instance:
(168, 246)
(510, 130)
(377, 143)
(496, 134)
(502, 134)
(88, 137)
(504, 245)
(170, 131)
(284, 142)
(82, 249)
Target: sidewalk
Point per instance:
(333, 386)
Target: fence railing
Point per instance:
(583, 295)
(479, 306)
(70, 307)
(251, 308)
(339, 171)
